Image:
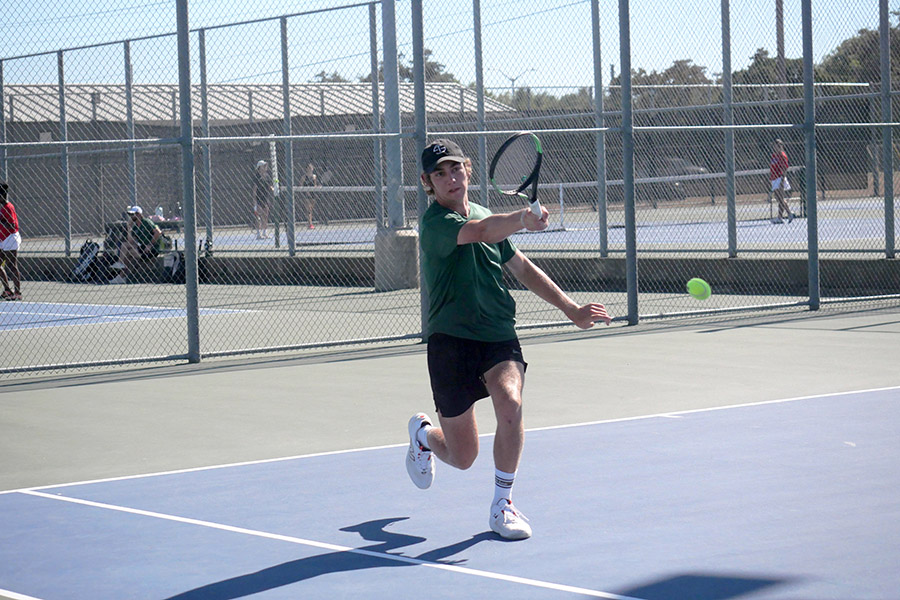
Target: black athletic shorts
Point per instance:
(457, 367)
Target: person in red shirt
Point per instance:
(10, 240)
(778, 167)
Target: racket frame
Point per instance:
(531, 180)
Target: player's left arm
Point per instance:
(534, 278)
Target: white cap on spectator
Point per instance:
(134, 209)
(261, 163)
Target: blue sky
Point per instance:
(539, 43)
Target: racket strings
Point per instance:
(515, 165)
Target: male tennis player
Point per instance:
(473, 351)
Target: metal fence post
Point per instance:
(809, 133)
(631, 266)
(291, 215)
(64, 153)
(728, 117)
(129, 125)
(479, 93)
(887, 133)
(599, 137)
(205, 158)
(421, 137)
(376, 118)
(187, 180)
(393, 147)
(3, 172)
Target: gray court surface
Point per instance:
(638, 482)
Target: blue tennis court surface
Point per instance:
(788, 499)
(35, 315)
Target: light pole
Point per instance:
(512, 82)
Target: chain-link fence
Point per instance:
(299, 230)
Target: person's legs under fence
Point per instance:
(7, 292)
(10, 261)
(129, 255)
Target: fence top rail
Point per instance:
(508, 132)
(193, 30)
(294, 138)
(675, 86)
(717, 127)
(117, 142)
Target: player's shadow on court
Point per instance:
(701, 586)
(366, 557)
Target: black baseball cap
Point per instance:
(441, 151)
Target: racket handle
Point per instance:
(536, 208)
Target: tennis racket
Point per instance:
(516, 166)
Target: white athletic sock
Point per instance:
(503, 483)
(422, 436)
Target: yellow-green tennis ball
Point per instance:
(699, 289)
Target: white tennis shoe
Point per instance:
(419, 462)
(508, 522)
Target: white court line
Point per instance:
(16, 595)
(337, 548)
(263, 461)
(682, 413)
(135, 313)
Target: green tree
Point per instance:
(763, 71)
(858, 59)
(681, 84)
(434, 71)
(333, 77)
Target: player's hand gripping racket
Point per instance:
(516, 166)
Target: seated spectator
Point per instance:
(140, 244)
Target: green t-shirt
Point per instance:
(467, 296)
(143, 232)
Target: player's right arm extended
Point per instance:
(496, 228)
